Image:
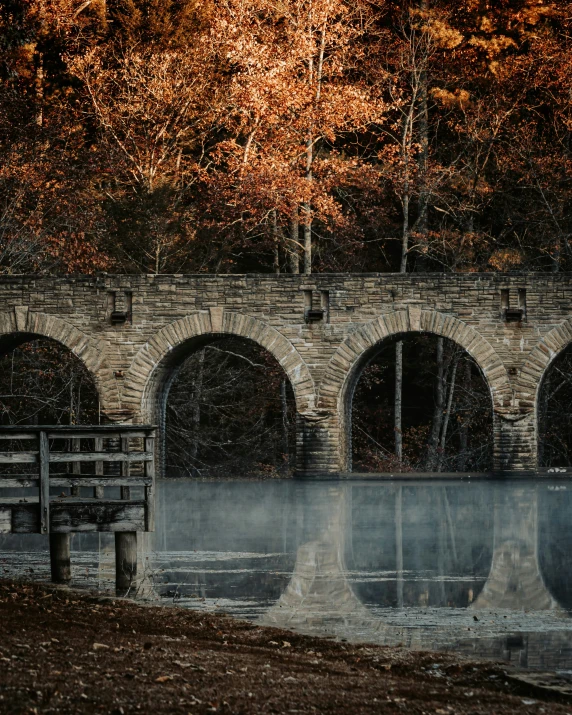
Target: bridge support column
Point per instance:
(317, 443)
(515, 443)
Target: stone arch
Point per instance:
(344, 368)
(533, 372)
(21, 325)
(538, 361)
(168, 348)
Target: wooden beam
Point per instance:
(149, 471)
(125, 491)
(61, 457)
(98, 491)
(97, 429)
(97, 482)
(12, 481)
(101, 515)
(18, 435)
(19, 457)
(91, 434)
(44, 447)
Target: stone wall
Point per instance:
(132, 331)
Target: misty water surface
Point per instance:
(481, 568)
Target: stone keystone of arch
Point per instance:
(332, 388)
(90, 351)
(217, 321)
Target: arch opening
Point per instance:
(446, 408)
(43, 382)
(226, 408)
(554, 416)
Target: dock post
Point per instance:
(60, 559)
(125, 560)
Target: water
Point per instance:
(481, 568)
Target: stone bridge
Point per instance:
(133, 331)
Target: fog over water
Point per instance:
(479, 567)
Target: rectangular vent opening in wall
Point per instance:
(513, 315)
(313, 315)
(119, 316)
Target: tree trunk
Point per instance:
(464, 429)
(196, 411)
(39, 89)
(423, 160)
(397, 422)
(447, 415)
(275, 238)
(294, 239)
(307, 240)
(285, 440)
(433, 442)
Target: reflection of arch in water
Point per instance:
(346, 365)
(156, 364)
(515, 580)
(23, 326)
(555, 541)
(319, 590)
(324, 585)
(444, 531)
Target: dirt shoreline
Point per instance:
(64, 651)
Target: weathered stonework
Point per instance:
(132, 332)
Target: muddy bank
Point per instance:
(70, 652)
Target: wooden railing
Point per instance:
(110, 460)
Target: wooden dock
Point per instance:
(70, 479)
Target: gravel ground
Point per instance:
(64, 651)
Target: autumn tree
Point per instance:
(294, 87)
(49, 218)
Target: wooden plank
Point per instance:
(18, 435)
(95, 481)
(5, 520)
(17, 475)
(9, 482)
(15, 501)
(62, 457)
(150, 490)
(97, 515)
(99, 429)
(76, 466)
(91, 433)
(25, 519)
(98, 491)
(125, 491)
(44, 446)
(18, 457)
(83, 501)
